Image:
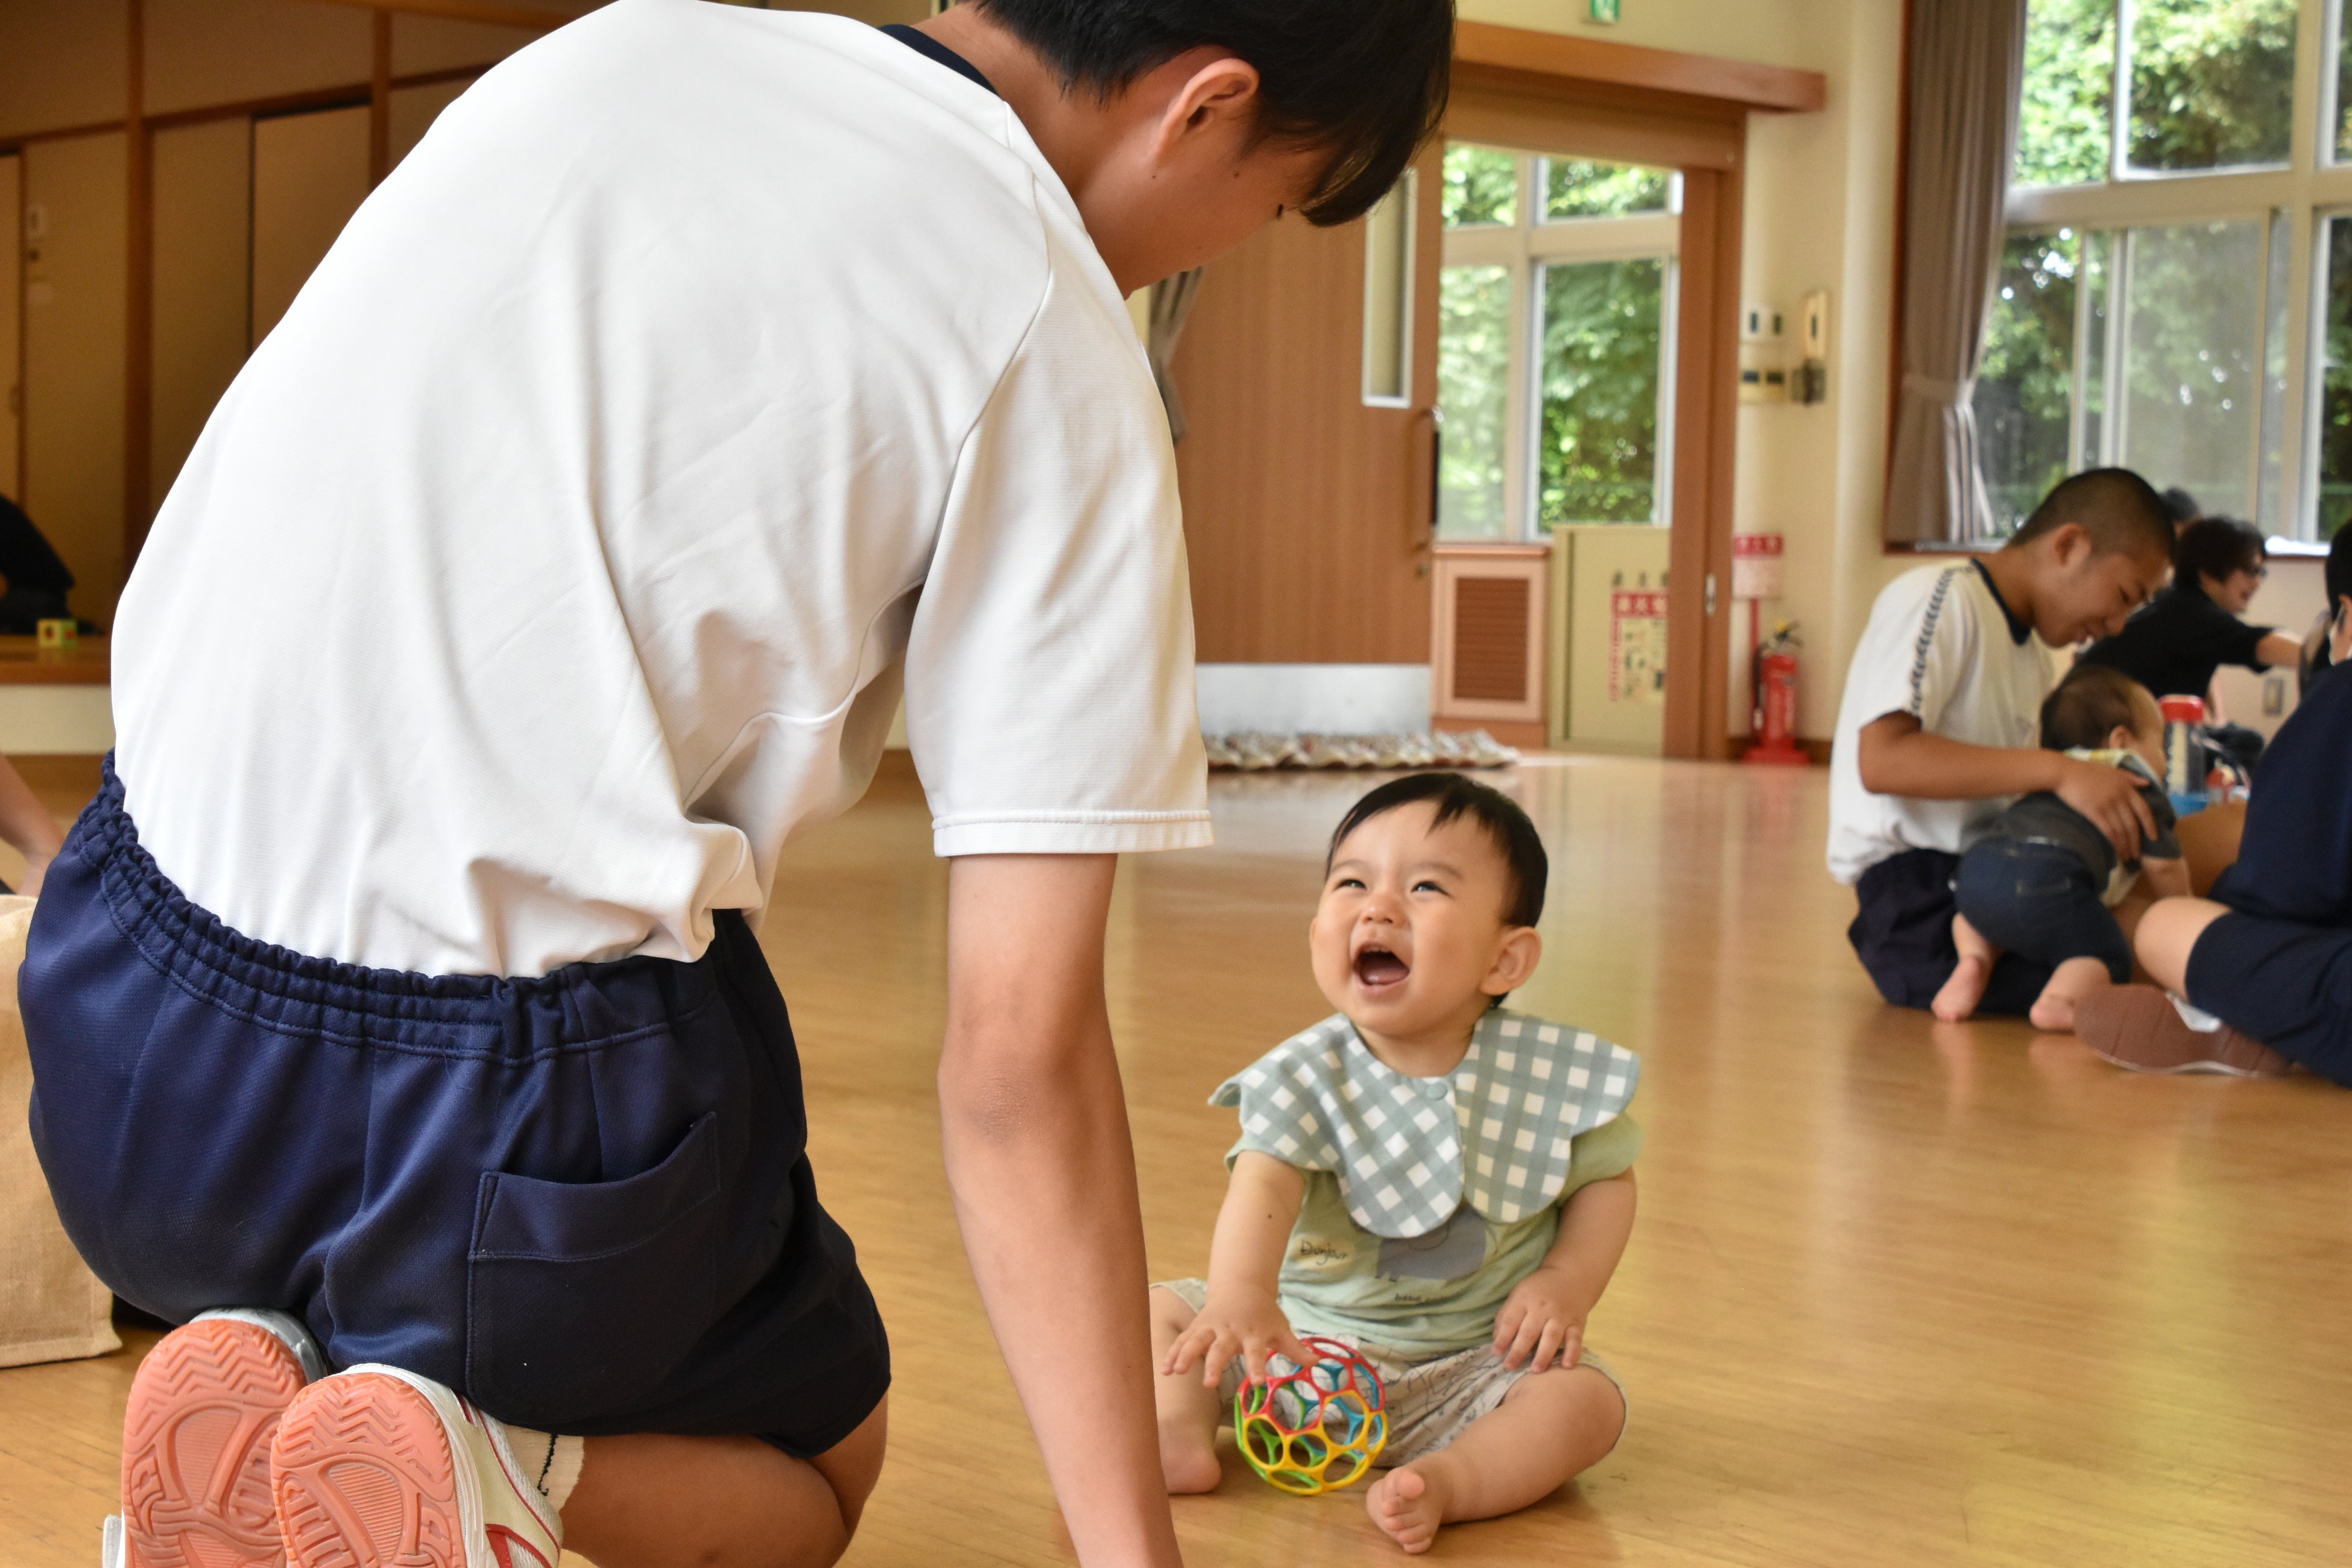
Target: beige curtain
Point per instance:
(1967, 70)
(1172, 307)
(51, 1307)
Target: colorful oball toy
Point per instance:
(1314, 1428)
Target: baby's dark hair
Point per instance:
(2089, 705)
(1366, 79)
(2121, 512)
(1455, 795)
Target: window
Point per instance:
(2173, 295)
(1554, 342)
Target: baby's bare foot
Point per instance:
(2052, 1015)
(1958, 998)
(1409, 1504)
(1188, 1460)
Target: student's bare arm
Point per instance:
(1543, 1317)
(26, 823)
(1243, 1315)
(2277, 649)
(2165, 878)
(1897, 757)
(1043, 1172)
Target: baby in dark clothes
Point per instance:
(2041, 881)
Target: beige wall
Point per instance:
(1819, 214)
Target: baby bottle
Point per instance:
(2184, 752)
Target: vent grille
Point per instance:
(1490, 640)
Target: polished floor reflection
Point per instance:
(1901, 1293)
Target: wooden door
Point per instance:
(1306, 508)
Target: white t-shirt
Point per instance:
(1939, 646)
(703, 374)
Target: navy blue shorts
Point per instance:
(1902, 934)
(583, 1200)
(2287, 984)
(2041, 902)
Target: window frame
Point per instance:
(1523, 248)
(2311, 187)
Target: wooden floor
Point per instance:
(1901, 1293)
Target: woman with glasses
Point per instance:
(2192, 628)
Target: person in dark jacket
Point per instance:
(37, 578)
(2192, 628)
(2263, 968)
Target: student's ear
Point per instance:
(1522, 951)
(1220, 95)
(2070, 544)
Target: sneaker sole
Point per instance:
(196, 1433)
(365, 1479)
(2136, 1027)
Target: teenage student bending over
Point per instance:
(706, 374)
(2264, 966)
(1935, 732)
(1443, 1185)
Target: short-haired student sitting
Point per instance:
(1936, 734)
(2043, 880)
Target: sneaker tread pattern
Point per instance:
(196, 1432)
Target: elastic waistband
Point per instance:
(581, 1006)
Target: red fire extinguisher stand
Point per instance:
(1755, 577)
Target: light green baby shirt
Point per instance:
(1466, 1204)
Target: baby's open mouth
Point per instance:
(1378, 966)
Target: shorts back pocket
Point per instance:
(581, 1298)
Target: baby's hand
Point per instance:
(1542, 1320)
(1237, 1320)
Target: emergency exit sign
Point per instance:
(1604, 10)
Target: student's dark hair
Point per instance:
(2339, 567)
(2089, 707)
(1491, 809)
(2217, 546)
(2181, 507)
(2121, 512)
(1366, 79)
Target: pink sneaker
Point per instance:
(378, 1467)
(196, 1443)
(2143, 1028)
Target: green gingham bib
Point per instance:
(1408, 1151)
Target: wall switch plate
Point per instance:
(1605, 11)
(1815, 318)
(2273, 696)
(1760, 322)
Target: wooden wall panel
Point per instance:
(310, 175)
(76, 342)
(203, 187)
(1306, 513)
(12, 337)
(224, 51)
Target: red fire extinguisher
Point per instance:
(1776, 699)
